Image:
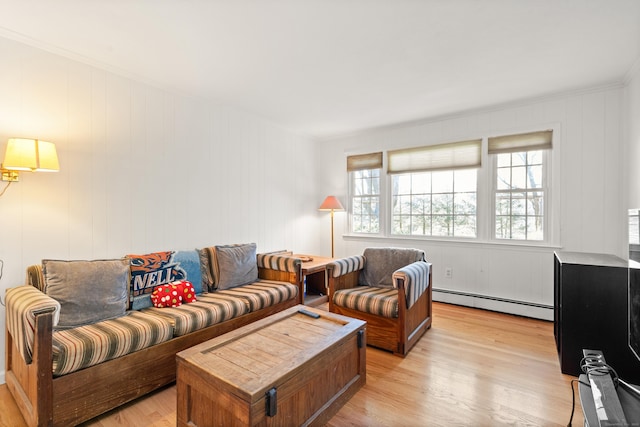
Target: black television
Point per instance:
(634, 283)
(634, 307)
(629, 393)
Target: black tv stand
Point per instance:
(591, 311)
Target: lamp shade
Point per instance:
(30, 155)
(331, 203)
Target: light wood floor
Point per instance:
(472, 368)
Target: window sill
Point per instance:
(452, 241)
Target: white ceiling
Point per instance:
(329, 67)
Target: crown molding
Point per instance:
(618, 84)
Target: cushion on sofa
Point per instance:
(35, 277)
(88, 291)
(188, 291)
(262, 293)
(85, 346)
(208, 310)
(173, 295)
(236, 265)
(189, 262)
(160, 268)
(169, 295)
(208, 284)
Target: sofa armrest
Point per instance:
(279, 261)
(24, 304)
(344, 266)
(281, 266)
(414, 279)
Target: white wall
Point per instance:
(632, 135)
(589, 209)
(141, 170)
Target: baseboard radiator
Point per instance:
(524, 308)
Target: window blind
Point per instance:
(522, 142)
(364, 161)
(456, 155)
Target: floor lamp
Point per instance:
(331, 203)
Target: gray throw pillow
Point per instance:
(88, 291)
(237, 265)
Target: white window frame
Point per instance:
(381, 204)
(551, 216)
(485, 199)
(546, 177)
(358, 161)
(436, 236)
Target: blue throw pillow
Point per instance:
(189, 261)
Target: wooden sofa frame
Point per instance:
(79, 396)
(397, 335)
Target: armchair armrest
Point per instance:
(414, 279)
(344, 266)
(343, 274)
(24, 304)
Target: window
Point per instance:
(520, 187)
(446, 191)
(434, 189)
(634, 234)
(441, 203)
(520, 196)
(365, 202)
(364, 171)
(634, 227)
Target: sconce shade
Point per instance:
(331, 203)
(30, 155)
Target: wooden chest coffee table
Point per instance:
(288, 369)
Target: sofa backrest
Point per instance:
(157, 268)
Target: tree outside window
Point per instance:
(520, 197)
(365, 201)
(440, 203)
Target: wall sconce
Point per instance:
(30, 155)
(331, 203)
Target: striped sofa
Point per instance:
(389, 288)
(67, 376)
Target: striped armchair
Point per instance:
(389, 288)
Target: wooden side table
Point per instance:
(314, 273)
